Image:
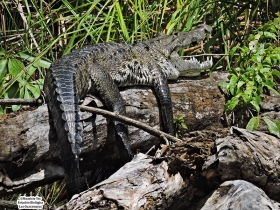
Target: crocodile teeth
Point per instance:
(207, 64)
(193, 63)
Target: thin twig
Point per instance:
(20, 101)
(130, 121)
(207, 54)
(165, 139)
(152, 148)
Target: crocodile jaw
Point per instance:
(191, 67)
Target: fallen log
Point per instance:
(238, 194)
(138, 184)
(29, 157)
(187, 173)
(249, 155)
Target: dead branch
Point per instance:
(129, 121)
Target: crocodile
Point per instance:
(101, 69)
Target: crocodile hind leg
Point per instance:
(103, 84)
(162, 91)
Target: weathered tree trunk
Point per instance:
(188, 170)
(205, 158)
(237, 194)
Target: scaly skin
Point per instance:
(101, 69)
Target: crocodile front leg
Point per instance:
(162, 91)
(103, 84)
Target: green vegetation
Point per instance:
(180, 125)
(34, 33)
(254, 73)
(18, 80)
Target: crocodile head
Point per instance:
(170, 45)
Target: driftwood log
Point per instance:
(183, 174)
(188, 170)
(237, 194)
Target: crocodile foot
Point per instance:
(121, 139)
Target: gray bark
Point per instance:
(190, 169)
(138, 184)
(238, 194)
(252, 156)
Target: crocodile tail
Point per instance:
(62, 100)
(63, 105)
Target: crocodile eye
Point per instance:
(147, 48)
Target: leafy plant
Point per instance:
(179, 124)
(254, 74)
(16, 79)
(272, 125)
